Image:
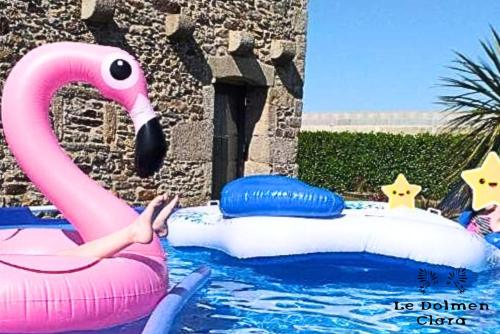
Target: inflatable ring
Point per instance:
(401, 237)
(42, 292)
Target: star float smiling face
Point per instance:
(401, 193)
(485, 182)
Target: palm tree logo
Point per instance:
(426, 278)
(457, 278)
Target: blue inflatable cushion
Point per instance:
(273, 195)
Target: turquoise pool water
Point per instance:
(321, 294)
(318, 296)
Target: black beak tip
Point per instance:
(150, 148)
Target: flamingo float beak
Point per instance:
(150, 144)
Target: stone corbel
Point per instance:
(241, 69)
(178, 26)
(98, 10)
(241, 43)
(282, 52)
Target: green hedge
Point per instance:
(362, 162)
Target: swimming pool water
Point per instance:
(318, 297)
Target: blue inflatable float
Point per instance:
(279, 196)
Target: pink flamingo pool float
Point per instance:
(46, 293)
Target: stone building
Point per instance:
(226, 77)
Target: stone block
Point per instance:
(259, 149)
(300, 21)
(4, 26)
(110, 124)
(5, 54)
(207, 179)
(242, 69)
(14, 188)
(142, 194)
(285, 169)
(282, 52)
(192, 141)
(264, 125)
(295, 122)
(178, 26)
(240, 43)
(299, 105)
(253, 168)
(98, 10)
(279, 96)
(208, 101)
(58, 117)
(284, 151)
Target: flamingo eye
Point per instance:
(482, 181)
(120, 71)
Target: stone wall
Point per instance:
(408, 122)
(180, 72)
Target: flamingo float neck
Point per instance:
(92, 210)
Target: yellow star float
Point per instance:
(485, 182)
(401, 193)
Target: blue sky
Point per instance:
(388, 55)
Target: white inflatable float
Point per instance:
(363, 227)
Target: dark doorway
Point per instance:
(229, 147)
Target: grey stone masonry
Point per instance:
(184, 49)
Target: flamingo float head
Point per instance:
(119, 77)
(113, 71)
(26, 99)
